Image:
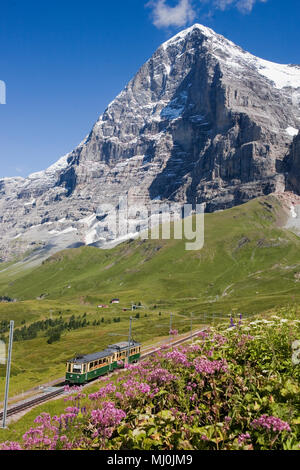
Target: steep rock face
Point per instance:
(202, 122)
(293, 166)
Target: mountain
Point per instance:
(201, 122)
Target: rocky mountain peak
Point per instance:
(201, 122)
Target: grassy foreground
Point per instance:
(233, 388)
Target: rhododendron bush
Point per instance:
(235, 387)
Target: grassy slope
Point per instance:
(247, 263)
(245, 253)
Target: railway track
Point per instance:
(44, 398)
(175, 343)
(31, 403)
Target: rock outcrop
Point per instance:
(293, 166)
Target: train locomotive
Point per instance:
(82, 369)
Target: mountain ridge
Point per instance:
(201, 122)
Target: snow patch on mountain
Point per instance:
(292, 131)
(281, 75)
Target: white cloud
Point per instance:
(165, 15)
(185, 11)
(244, 6)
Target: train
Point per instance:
(82, 369)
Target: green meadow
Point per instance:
(248, 264)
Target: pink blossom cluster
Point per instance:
(47, 435)
(133, 388)
(190, 386)
(244, 339)
(10, 446)
(205, 366)
(243, 437)
(73, 410)
(271, 423)
(106, 419)
(173, 332)
(103, 392)
(195, 348)
(220, 339)
(178, 358)
(72, 389)
(160, 376)
(203, 334)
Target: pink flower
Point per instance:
(203, 334)
(178, 358)
(271, 423)
(160, 376)
(103, 392)
(220, 340)
(243, 437)
(205, 366)
(10, 446)
(72, 409)
(173, 332)
(106, 419)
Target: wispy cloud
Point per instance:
(185, 11)
(244, 6)
(165, 15)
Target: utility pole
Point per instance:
(11, 334)
(171, 315)
(129, 340)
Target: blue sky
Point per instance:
(64, 61)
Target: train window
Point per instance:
(77, 368)
(84, 368)
(69, 367)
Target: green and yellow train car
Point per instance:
(82, 369)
